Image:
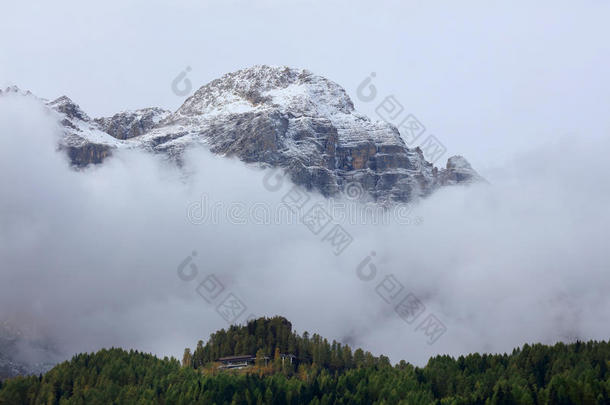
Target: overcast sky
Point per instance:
(488, 79)
(521, 90)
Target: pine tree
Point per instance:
(277, 361)
(187, 358)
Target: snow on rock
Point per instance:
(277, 116)
(129, 124)
(458, 170)
(84, 142)
(15, 90)
(302, 122)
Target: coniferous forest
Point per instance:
(322, 372)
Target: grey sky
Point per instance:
(488, 79)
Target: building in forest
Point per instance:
(246, 360)
(237, 362)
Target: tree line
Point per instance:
(535, 374)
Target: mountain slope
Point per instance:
(17, 351)
(276, 116)
(576, 373)
(302, 122)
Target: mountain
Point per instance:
(320, 372)
(273, 116)
(17, 351)
(129, 124)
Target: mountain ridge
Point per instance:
(273, 116)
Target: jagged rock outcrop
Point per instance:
(84, 142)
(129, 124)
(277, 116)
(87, 153)
(458, 170)
(72, 111)
(305, 123)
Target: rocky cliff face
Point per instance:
(458, 170)
(129, 124)
(304, 123)
(278, 116)
(84, 141)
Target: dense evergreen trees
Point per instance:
(327, 373)
(265, 336)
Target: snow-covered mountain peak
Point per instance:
(68, 107)
(15, 90)
(268, 87)
(130, 124)
(273, 116)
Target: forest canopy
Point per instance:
(323, 373)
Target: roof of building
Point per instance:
(237, 358)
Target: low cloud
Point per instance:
(90, 258)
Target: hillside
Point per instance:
(534, 374)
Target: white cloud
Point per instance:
(89, 259)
